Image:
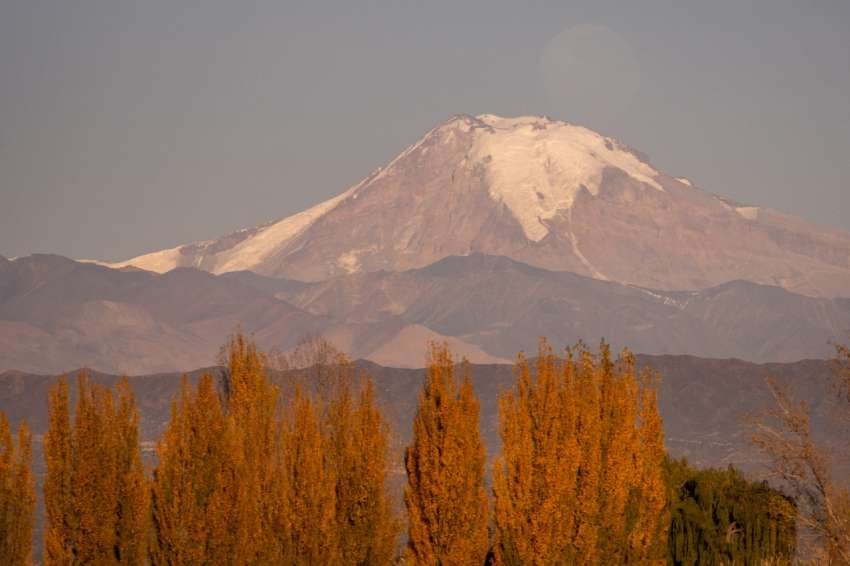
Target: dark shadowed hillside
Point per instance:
(702, 401)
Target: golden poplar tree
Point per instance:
(446, 502)
(309, 483)
(17, 495)
(580, 477)
(583, 387)
(356, 446)
(252, 405)
(95, 491)
(93, 488)
(194, 483)
(60, 524)
(619, 451)
(649, 509)
(358, 440)
(133, 488)
(535, 479)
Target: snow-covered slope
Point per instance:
(545, 192)
(536, 168)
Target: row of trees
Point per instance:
(580, 477)
(95, 492)
(254, 472)
(242, 478)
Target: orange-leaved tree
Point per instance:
(580, 477)
(536, 477)
(96, 494)
(60, 515)
(309, 482)
(358, 441)
(252, 407)
(446, 502)
(195, 481)
(356, 445)
(133, 487)
(17, 495)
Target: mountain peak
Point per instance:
(537, 166)
(544, 192)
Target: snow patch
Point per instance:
(685, 181)
(537, 166)
(664, 299)
(248, 253)
(350, 260)
(590, 267)
(252, 251)
(89, 261)
(748, 212)
(158, 262)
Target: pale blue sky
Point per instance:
(128, 126)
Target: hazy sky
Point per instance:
(128, 126)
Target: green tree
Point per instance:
(719, 517)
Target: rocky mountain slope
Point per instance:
(57, 314)
(543, 192)
(501, 306)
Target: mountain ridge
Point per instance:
(56, 313)
(547, 193)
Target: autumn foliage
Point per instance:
(17, 495)
(446, 502)
(579, 480)
(252, 415)
(252, 469)
(95, 492)
(192, 492)
(366, 524)
(244, 478)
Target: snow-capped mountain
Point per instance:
(544, 192)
